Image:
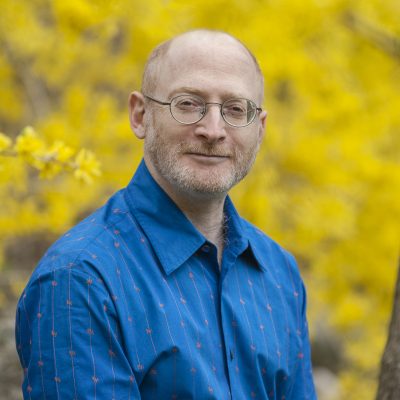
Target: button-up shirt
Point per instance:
(132, 304)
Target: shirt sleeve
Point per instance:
(303, 382)
(67, 335)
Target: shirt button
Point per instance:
(206, 248)
(231, 354)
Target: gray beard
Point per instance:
(166, 161)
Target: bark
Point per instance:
(389, 379)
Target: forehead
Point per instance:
(212, 64)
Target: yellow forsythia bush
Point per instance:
(326, 183)
(52, 159)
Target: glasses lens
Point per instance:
(239, 112)
(187, 109)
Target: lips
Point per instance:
(209, 155)
(204, 153)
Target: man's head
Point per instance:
(153, 68)
(208, 157)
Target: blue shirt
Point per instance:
(131, 304)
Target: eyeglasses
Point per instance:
(189, 109)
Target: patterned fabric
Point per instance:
(130, 304)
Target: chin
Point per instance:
(203, 182)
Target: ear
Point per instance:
(136, 114)
(263, 124)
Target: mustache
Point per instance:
(206, 150)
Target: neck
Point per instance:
(208, 217)
(204, 210)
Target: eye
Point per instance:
(235, 108)
(188, 103)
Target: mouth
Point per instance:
(208, 158)
(208, 155)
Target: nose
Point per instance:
(212, 127)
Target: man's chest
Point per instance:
(195, 334)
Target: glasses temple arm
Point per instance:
(157, 101)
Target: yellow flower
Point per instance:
(5, 142)
(28, 144)
(87, 166)
(54, 160)
(61, 152)
(47, 165)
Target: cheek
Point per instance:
(246, 141)
(258, 134)
(164, 130)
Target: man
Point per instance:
(165, 292)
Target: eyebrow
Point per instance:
(201, 93)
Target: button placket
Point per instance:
(229, 325)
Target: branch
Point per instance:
(50, 160)
(384, 41)
(34, 88)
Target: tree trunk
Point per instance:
(389, 378)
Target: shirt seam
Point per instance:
(78, 258)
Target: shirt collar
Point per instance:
(246, 236)
(172, 235)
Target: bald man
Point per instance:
(166, 292)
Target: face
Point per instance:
(208, 157)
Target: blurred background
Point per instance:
(326, 184)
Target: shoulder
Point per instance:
(263, 241)
(86, 246)
(270, 253)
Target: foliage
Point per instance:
(327, 181)
(50, 160)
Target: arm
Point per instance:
(303, 386)
(67, 340)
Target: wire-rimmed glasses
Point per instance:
(189, 109)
